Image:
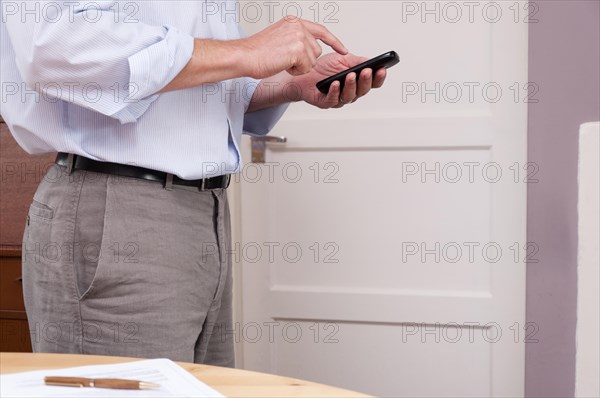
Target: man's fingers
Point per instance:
(379, 78)
(333, 96)
(349, 93)
(316, 48)
(320, 32)
(364, 82)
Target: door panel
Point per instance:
(382, 247)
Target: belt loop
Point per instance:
(70, 163)
(169, 182)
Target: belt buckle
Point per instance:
(226, 180)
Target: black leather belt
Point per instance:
(124, 170)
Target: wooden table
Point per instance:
(230, 382)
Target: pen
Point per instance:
(98, 383)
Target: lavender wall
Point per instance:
(564, 61)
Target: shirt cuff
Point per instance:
(155, 66)
(135, 110)
(262, 121)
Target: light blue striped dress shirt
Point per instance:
(83, 77)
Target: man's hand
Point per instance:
(285, 88)
(286, 52)
(331, 64)
(288, 45)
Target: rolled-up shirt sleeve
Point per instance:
(97, 55)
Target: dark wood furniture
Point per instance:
(20, 174)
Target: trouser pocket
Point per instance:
(89, 230)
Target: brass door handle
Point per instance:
(259, 146)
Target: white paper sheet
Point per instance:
(173, 379)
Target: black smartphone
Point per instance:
(386, 60)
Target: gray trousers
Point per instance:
(122, 266)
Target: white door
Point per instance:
(382, 248)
